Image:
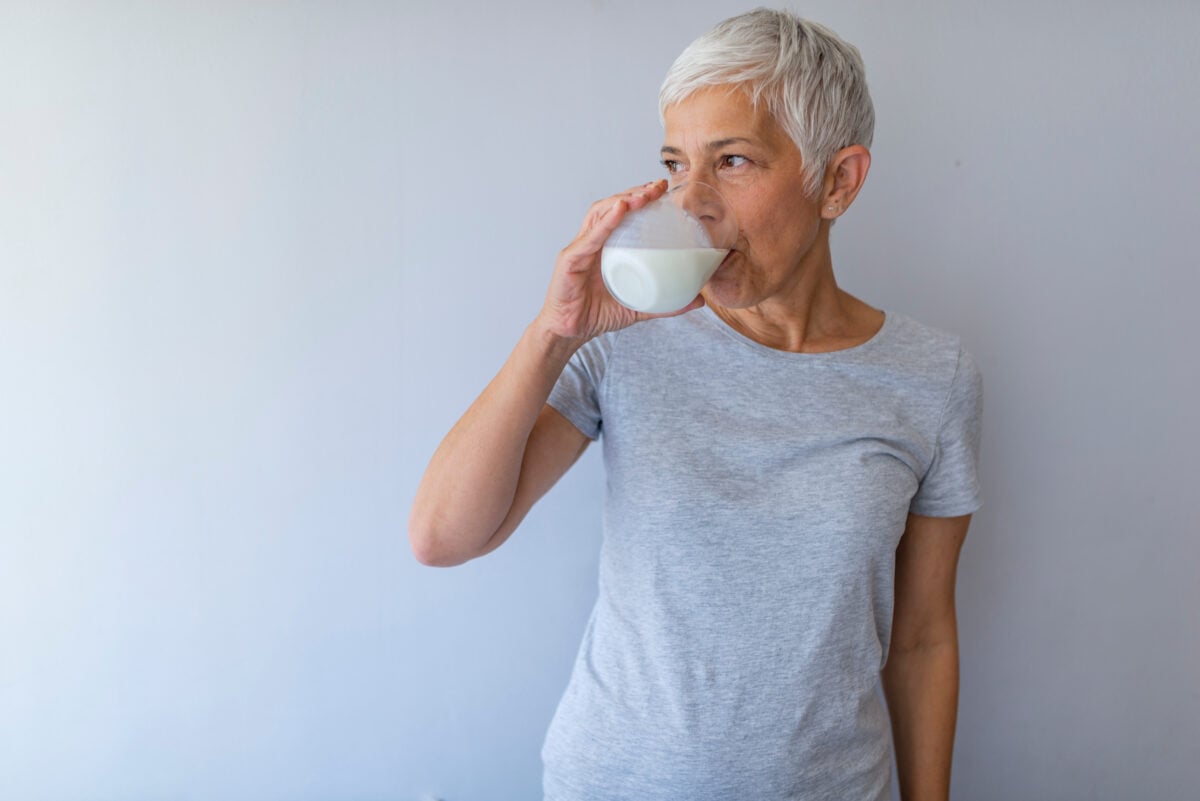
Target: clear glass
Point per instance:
(660, 256)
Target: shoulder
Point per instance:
(931, 353)
(928, 371)
(921, 340)
(648, 339)
(597, 350)
(598, 356)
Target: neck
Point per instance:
(811, 315)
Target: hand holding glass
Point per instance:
(660, 256)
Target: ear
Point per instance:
(845, 176)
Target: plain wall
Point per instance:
(256, 258)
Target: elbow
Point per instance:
(429, 554)
(924, 644)
(431, 548)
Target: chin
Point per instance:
(728, 289)
(725, 288)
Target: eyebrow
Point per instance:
(717, 145)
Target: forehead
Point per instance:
(720, 113)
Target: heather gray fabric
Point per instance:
(754, 504)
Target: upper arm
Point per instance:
(554, 445)
(926, 566)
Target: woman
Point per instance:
(791, 472)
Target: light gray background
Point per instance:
(256, 258)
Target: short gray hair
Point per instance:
(813, 82)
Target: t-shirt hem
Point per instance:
(576, 418)
(946, 509)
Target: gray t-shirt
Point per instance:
(754, 503)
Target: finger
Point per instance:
(649, 190)
(592, 240)
(634, 199)
(654, 187)
(580, 255)
(638, 196)
(635, 196)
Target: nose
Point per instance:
(702, 202)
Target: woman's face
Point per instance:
(716, 136)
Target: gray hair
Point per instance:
(813, 83)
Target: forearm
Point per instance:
(921, 685)
(469, 486)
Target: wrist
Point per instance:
(548, 346)
(550, 340)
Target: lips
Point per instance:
(724, 263)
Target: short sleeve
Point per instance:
(576, 395)
(950, 487)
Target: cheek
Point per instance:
(767, 227)
(754, 217)
(790, 225)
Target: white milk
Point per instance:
(657, 280)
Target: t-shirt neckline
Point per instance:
(888, 320)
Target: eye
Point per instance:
(733, 161)
(671, 165)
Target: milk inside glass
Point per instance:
(660, 256)
(658, 280)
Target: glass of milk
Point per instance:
(661, 255)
